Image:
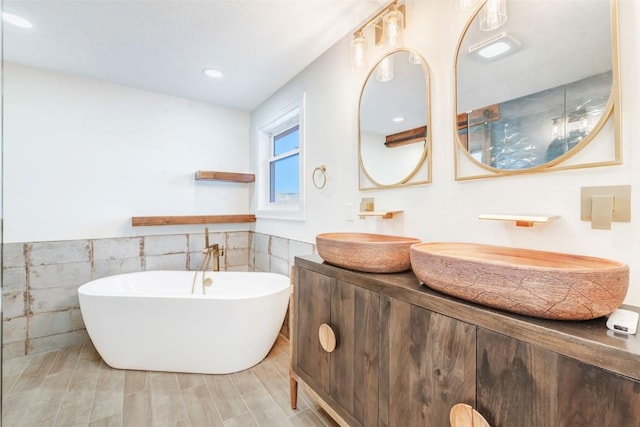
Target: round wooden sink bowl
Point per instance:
(535, 283)
(372, 253)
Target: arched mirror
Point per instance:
(533, 92)
(394, 133)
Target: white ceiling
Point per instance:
(163, 45)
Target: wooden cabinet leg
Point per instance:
(293, 390)
(293, 384)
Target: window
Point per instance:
(280, 182)
(284, 165)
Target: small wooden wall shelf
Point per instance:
(224, 176)
(139, 221)
(410, 136)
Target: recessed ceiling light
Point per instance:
(214, 73)
(498, 48)
(398, 119)
(495, 46)
(13, 19)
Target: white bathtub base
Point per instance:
(194, 334)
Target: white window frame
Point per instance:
(286, 118)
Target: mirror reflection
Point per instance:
(394, 130)
(535, 90)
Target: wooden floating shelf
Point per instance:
(224, 176)
(140, 221)
(381, 214)
(521, 220)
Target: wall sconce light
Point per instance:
(359, 52)
(384, 71)
(392, 27)
(414, 58)
(389, 23)
(465, 5)
(493, 15)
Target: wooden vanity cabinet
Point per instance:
(428, 365)
(395, 364)
(347, 377)
(523, 385)
(406, 354)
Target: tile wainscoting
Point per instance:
(41, 279)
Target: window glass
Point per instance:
(285, 180)
(286, 141)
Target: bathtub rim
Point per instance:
(85, 288)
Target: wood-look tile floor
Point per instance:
(74, 387)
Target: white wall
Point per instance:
(447, 210)
(83, 156)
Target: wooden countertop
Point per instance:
(589, 341)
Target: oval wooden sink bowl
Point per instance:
(373, 253)
(535, 283)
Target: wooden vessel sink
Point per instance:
(535, 283)
(373, 253)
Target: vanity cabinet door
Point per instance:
(312, 306)
(347, 376)
(431, 365)
(522, 385)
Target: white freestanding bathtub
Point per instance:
(151, 321)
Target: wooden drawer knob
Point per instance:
(327, 338)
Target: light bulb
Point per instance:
(414, 58)
(384, 72)
(493, 15)
(358, 52)
(464, 5)
(392, 28)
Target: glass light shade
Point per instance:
(493, 15)
(414, 58)
(359, 52)
(464, 5)
(392, 25)
(384, 72)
